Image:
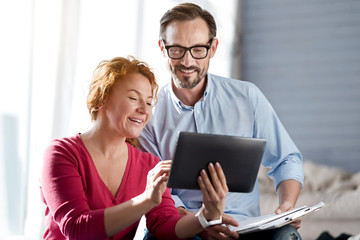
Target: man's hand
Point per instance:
(183, 211)
(286, 206)
(288, 192)
(219, 231)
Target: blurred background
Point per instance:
(304, 55)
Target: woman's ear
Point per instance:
(101, 107)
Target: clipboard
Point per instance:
(273, 220)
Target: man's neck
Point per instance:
(190, 96)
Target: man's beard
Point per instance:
(186, 82)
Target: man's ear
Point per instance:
(214, 46)
(162, 47)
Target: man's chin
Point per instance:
(186, 81)
(184, 84)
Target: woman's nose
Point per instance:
(143, 107)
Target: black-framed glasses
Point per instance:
(197, 52)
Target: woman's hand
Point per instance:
(214, 192)
(214, 195)
(156, 182)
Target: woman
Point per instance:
(96, 185)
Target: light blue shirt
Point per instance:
(228, 107)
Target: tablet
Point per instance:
(239, 157)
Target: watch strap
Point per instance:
(203, 222)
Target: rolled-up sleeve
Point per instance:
(281, 154)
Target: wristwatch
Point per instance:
(203, 222)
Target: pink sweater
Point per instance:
(75, 195)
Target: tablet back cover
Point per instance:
(239, 157)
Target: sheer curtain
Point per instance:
(49, 50)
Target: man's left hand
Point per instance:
(286, 206)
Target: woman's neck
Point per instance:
(104, 142)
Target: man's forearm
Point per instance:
(288, 191)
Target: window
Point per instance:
(48, 53)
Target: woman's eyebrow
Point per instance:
(138, 93)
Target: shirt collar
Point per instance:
(181, 105)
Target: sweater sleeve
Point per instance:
(64, 195)
(162, 219)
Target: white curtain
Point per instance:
(49, 50)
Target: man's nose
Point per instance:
(187, 60)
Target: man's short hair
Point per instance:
(186, 12)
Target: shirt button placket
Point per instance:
(198, 119)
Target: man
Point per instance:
(196, 101)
